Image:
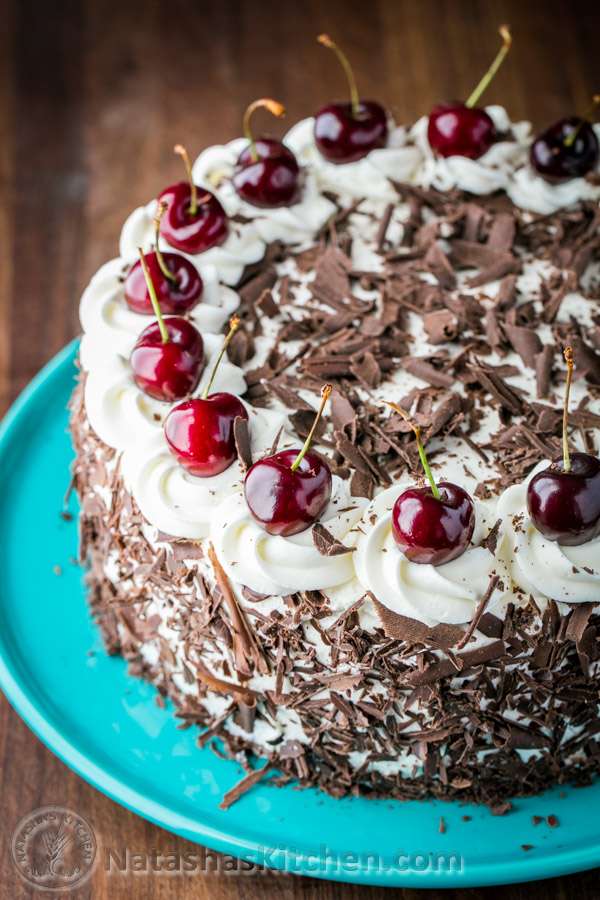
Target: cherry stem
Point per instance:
(487, 78)
(568, 355)
(182, 152)
(570, 138)
(326, 41)
(325, 394)
(274, 107)
(159, 257)
(153, 298)
(234, 324)
(422, 455)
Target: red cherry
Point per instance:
(565, 506)
(168, 370)
(568, 149)
(464, 129)
(283, 500)
(459, 130)
(199, 433)
(563, 500)
(192, 223)
(345, 132)
(288, 491)
(431, 529)
(267, 172)
(177, 294)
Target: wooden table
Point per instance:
(93, 95)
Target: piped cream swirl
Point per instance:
(431, 594)
(181, 504)
(271, 564)
(124, 416)
(242, 247)
(367, 177)
(108, 322)
(491, 172)
(295, 224)
(545, 568)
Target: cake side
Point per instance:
(331, 699)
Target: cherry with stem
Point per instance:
(563, 500)
(267, 172)
(286, 492)
(465, 129)
(434, 524)
(346, 132)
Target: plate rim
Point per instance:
(528, 868)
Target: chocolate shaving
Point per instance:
(326, 543)
(243, 786)
(485, 599)
(241, 436)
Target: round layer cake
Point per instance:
(448, 286)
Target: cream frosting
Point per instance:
(181, 504)
(491, 172)
(530, 191)
(294, 224)
(367, 177)
(541, 567)
(119, 412)
(242, 247)
(270, 564)
(431, 594)
(107, 321)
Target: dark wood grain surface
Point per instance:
(93, 95)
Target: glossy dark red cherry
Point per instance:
(192, 232)
(565, 506)
(343, 136)
(568, 149)
(267, 172)
(286, 501)
(432, 530)
(199, 433)
(269, 180)
(345, 132)
(177, 294)
(465, 129)
(458, 130)
(168, 370)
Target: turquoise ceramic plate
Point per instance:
(107, 727)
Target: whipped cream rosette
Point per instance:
(181, 504)
(530, 191)
(243, 246)
(294, 224)
(271, 564)
(108, 322)
(124, 416)
(370, 176)
(543, 568)
(448, 593)
(490, 172)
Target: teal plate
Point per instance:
(106, 725)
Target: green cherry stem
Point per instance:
(159, 257)
(153, 298)
(568, 355)
(234, 324)
(274, 107)
(325, 394)
(326, 41)
(570, 138)
(487, 78)
(422, 455)
(182, 152)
